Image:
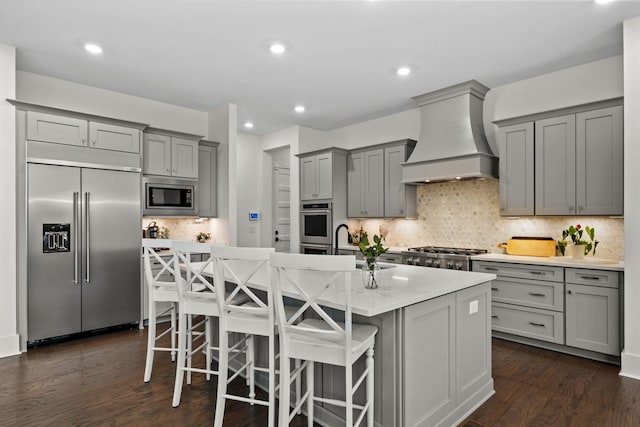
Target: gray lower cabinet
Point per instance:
(527, 300)
(208, 179)
(592, 312)
(573, 308)
(567, 162)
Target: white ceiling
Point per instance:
(342, 55)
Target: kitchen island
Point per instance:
(432, 357)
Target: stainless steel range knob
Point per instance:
(436, 263)
(428, 263)
(458, 266)
(450, 265)
(416, 261)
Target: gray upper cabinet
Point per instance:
(207, 179)
(58, 129)
(599, 162)
(564, 162)
(399, 198)
(374, 182)
(555, 170)
(157, 154)
(516, 169)
(112, 137)
(365, 184)
(316, 178)
(170, 155)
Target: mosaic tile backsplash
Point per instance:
(466, 214)
(183, 228)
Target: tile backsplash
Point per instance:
(467, 214)
(183, 228)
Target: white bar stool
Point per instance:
(160, 291)
(320, 338)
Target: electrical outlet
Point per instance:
(473, 307)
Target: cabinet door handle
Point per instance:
(494, 289)
(491, 268)
(569, 292)
(590, 277)
(537, 324)
(535, 294)
(494, 316)
(538, 273)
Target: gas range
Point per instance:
(440, 257)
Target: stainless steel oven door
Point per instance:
(315, 249)
(315, 226)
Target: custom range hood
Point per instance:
(452, 143)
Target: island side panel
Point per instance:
(429, 340)
(474, 383)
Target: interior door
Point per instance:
(111, 259)
(54, 300)
(282, 209)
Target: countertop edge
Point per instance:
(558, 261)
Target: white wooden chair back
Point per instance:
(150, 249)
(307, 278)
(194, 279)
(239, 266)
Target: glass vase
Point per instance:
(371, 277)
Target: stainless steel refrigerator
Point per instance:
(83, 249)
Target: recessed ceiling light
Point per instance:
(277, 48)
(427, 180)
(458, 177)
(403, 71)
(93, 48)
(299, 108)
(248, 125)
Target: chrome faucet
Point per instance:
(335, 250)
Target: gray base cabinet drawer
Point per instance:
(609, 279)
(528, 322)
(531, 293)
(523, 271)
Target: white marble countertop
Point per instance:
(560, 261)
(402, 285)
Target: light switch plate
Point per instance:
(473, 307)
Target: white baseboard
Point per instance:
(9, 345)
(630, 366)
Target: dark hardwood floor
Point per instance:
(97, 381)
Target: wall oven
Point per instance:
(316, 223)
(169, 196)
(315, 249)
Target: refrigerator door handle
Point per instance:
(76, 238)
(87, 236)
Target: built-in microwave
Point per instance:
(316, 223)
(169, 196)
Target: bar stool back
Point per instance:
(318, 337)
(243, 311)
